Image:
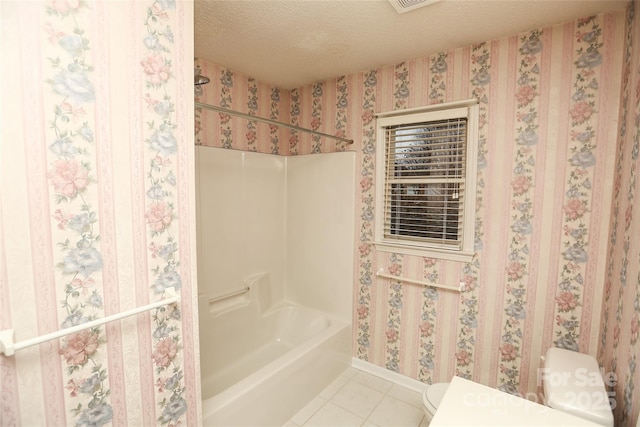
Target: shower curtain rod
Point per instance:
(269, 121)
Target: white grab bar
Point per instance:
(419, 282)
(230, 294)
(8, 347)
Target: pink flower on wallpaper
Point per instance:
(166, 351)
(364, 249)
(62, 218)
(426, 329)
(566, 301)
(429, 262)
(63, 7)
(395, 269)
(79, 347)
(463, 358)
(363, 311)
(575, 209)
(635, 329)
(73, 386)
(156, 69)
(628, 216)
(224, 118)
(85, 284)
(469, 283)
(525, 95)
(520, 185)
(508, 352)
(160, 13)
(366, 183)
(367, 116)
(251, 135)
(159, 216)
(392, 335)
(580, 112)
(616, 335)
(69, 177)
(315, 123)
(515, 270)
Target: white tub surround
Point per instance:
(275, 259)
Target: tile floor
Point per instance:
(357, 399)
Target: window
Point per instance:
(426, 180)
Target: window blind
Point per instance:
(425, 181)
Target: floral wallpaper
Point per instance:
(98, 219)
(548, 99)
(619, 346)
(73, 181)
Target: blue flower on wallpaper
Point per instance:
(371, 80)
(469, 320)
(95, 300)
(163, 108)
(522, 226)
(167, 280)
(168, 34)
(152, 42)
(396, 302)
(62, 147)
(516, 311)
(583, 159)
(73, 319)
(568, 343)
(164, 142)
(86, 133)
(439, 65)
(173, 381)
(166, 251)
(96, 416)
(576, 254)
(589, 59)
(166, 4)
(162, 331)
(91, 384)
(227, 79)
(73, 44)
(528, 138)
(173, 410)
(84, 261)
(579, 95)
(81, 223)
(156, 192)
(481, 78)
(532, 46)
(74, 85)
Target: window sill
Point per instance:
(460, 256)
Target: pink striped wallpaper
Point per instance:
(619, 347)
(97, 212)
(549, 115)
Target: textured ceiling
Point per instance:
(293, 43)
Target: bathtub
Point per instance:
(267, 366)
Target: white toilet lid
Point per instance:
(435, 393)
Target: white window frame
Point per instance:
(468, 109)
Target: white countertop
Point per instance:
(467, 403)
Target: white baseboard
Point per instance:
(388, 375)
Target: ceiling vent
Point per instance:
(402, 6)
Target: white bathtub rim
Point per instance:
(226, 397)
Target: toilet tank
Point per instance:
(573, 383)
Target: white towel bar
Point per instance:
(8, 347)
(419, 282)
